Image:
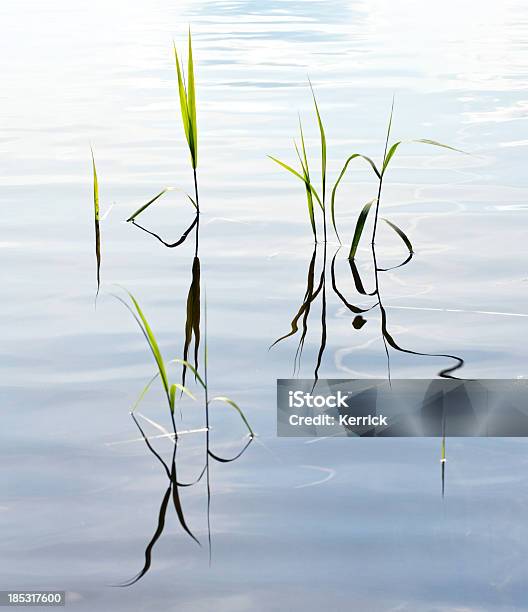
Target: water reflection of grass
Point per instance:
(171, 390)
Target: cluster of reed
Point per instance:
(319, 197)
(187, 97)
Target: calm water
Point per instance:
(296, 525)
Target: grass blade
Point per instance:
(191, 107)
(96, 222)
(289, 168)
(231, 403)
(153, 345)
(401, 234)
(144, 392)
(439, 144)
(334, 190)
(172, 394)
(393, 148)
(183, 96)
(360, 224)
(306, 170)
(390, 155)
(323, 144)
(192, 368)
(142, 208)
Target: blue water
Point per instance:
(295, 525)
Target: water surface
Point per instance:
(337, 524)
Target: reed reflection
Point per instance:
(195, 359)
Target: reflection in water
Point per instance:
(192, 335)
(359, 319)
(168, 244)
(192, 323)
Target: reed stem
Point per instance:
(196, 190)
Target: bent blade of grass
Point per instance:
(401, 234)
(153, 345)
(289, 168)
(390, 155)
(434, 143)
(334, 190)
(172, 394)
(156, 197)
(360, 224)
(145, 206)
(439, 144)
(227, 400)
(192, 368)
(303, 179)
(144, 392)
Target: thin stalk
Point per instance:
(381, 176)
(196, 190)
(207, 435)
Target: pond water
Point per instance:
(295, 524)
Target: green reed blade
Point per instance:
(395, 146)
(360, 224)
(390, 155)
(95, 188)
(401, 234)
(323, 144)
(153, 345)
(334, 190)
(192, 368)
(156, 197)
(439, 144)
(144, 392)
(172, 394)
(191, 106)
(183, 97)
(306, 172)
(303, 179)
(142, 208)
(96, 222)
(231, 403)
(289, 168)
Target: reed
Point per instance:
(304, 173)
(187, 96)
(96, 223)
(312, 194)
(171, 389)
(188, 109)
(388, 154)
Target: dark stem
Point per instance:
(377, 207)
(380, 304)
(207, 440)
(196, 190)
